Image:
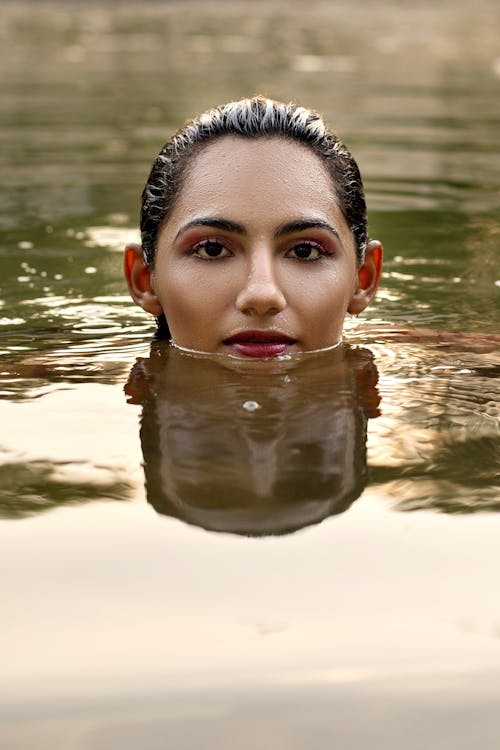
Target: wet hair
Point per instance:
(250, 118)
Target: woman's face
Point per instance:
(256, 258)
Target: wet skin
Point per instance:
(256, 258)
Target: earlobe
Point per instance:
(368, 278)
(138, 278)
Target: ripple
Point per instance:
(437, 443)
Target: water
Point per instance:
(286, 569)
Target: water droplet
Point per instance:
(91, 269)
(251, 406)
(25, 245)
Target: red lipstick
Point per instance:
(260, 343)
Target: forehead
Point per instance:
(271, 176)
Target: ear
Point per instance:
(139, 280)
(367, 279)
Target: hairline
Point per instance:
(197, 147)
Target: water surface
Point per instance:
(181, 569)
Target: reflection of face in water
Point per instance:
(255, 451)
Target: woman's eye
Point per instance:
(210, 250)
(305, 251)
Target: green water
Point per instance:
(151, 616)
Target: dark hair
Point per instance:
(251, 118)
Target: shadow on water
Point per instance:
(254, 450)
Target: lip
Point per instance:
(263, 343)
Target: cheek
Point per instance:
(189, 294)
(326, 293)
(323, 306)
(327, 313)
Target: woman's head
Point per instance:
(257, 206)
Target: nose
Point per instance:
(261, 294)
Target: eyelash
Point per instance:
(312, 246)
(203, 245)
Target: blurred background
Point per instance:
(91, 91)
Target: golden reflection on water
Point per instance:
(257, 447)
(437, 445)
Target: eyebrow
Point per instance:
(213, 221)
(303, 224)
(226, 225)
